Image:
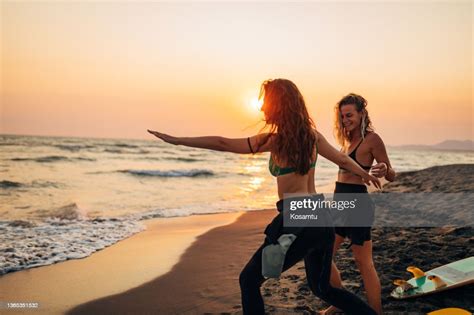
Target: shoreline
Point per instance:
(205, 280)
(117, 268)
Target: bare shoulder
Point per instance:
(318, 135)
(374, 139)
(266, 137)
(264, 141)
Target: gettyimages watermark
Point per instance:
(318, 203)
(379, 210)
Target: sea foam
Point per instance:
(26, 244)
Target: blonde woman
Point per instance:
(354, 132)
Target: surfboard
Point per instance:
(450, 311)
(449, 276)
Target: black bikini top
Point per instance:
(352, 155)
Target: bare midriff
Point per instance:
(296, 184)
(349, 178)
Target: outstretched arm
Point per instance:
(344, 161)
(254, 144)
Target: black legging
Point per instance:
(315, 245)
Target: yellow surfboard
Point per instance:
(450, 311)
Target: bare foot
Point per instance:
(331, 310)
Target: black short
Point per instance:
(357, 234)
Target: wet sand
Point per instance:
(127, 264)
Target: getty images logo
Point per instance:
(312, 204)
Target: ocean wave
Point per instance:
(120, 151)
(125, 145)
(182, 159)
(113, 151)
(53, 158)
(27, 244)
(68, 232)
(7, 184)
(168, 152)
(73, 148)
(68, 212)
(10, 184)
(150, 158)
(46, 184)
(170, 173)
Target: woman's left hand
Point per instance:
(368, 178)
(164, 137)
(379, 170)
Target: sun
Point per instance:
(251, 103)
(256, 104)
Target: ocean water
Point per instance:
(63, 198)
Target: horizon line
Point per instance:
(145, 139)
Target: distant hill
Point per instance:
(466, 145)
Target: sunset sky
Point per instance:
(114, 69)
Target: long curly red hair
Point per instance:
(292, 130)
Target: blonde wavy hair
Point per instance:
(341, 135)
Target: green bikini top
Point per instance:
(276, 170)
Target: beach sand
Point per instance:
(205, 280)
(127, 264)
